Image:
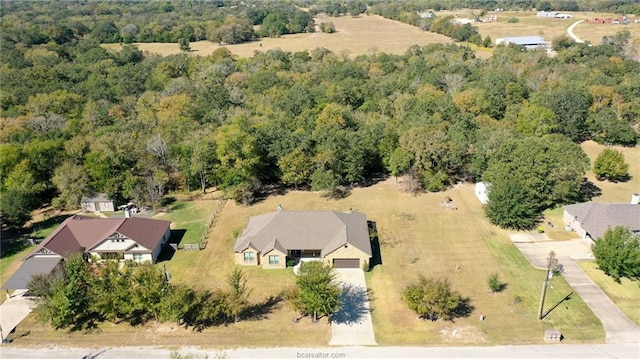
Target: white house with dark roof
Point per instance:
(137, 239)
(591, 220)
(340, 239)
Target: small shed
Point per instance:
(98, 202)
(482, 192)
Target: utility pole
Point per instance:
(552, 264)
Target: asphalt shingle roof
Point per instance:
(595, 218)
(305, 230)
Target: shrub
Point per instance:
(513, 20)
(495, 284)
(610, 165)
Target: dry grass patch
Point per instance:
(353, 36)
(625, 294)
(621, 191)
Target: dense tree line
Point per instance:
(77, 118)
(79, 296)
(33, 23)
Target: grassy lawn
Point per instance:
(418, 237)
(190, 216)
(625, 295)
(621, 191)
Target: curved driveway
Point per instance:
(573, 36)
(618, 328)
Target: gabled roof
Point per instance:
(595, 218)
(81, 233)
(305, 230)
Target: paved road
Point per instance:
(352, 324)
(13, 311)
(618, 328)
(573, 36)
(582, 351)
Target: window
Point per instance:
(137, 257)
(274, 260)
(248, 257)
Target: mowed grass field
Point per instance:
(612, 191)
(366, 34)
(418, 237)
(353, 36)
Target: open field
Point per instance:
(625, 294)
(366, 34)
(418, 237)
(531, 25)
(354, 36)
(621, 191)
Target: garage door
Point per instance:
(346, 263)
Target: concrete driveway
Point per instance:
(352, 324)
(13, 311)
(618, 328)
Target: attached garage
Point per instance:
(346, 263)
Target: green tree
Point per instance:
(318, 291)
(69, 303)
(610, 165)
(296, 167)
(73, 183)
(618, 253)
(239, 295)
(432, 299)
(399, 162)
(495, 284)
(511, 205)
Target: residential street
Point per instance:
(582, 351)
(618, 328)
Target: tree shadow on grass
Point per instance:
(354, 305)
(588, 190)
(261, 311)
(463, 310)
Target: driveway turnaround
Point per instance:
(352, 325)
(618, 328)
(13, 311)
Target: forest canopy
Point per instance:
(76, 118)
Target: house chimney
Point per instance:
(127, 214)
(279, 207)
(635, 198)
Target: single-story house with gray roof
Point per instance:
(591, 220)
(340, 239)
(98, 202)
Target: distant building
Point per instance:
(529, 42)
(555, 15)
(482, 192)
(98, 202)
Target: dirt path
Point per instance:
(573, 36)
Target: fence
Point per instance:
(202, 244)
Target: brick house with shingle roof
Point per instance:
(591, 220)
(340, 239)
